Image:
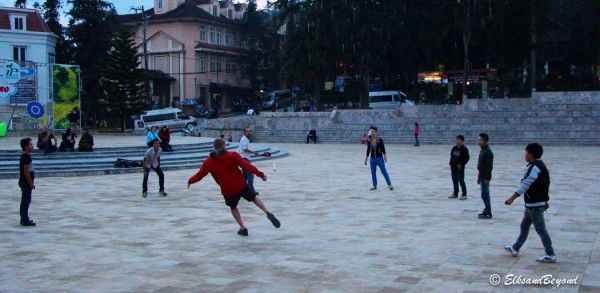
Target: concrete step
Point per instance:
(102, 162)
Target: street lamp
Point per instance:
(145, 20)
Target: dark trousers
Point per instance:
(161, 179)
(534, 216)
(313, 137)
(485, 196)
(25, 201)
(458, 176)
(48, 147)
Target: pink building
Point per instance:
(194, 51)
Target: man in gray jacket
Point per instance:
(485, 165)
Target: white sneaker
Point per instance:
(511, 250)
(547, 258)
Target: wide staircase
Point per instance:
(515, 121)
(102, 160)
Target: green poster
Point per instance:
(65, 89)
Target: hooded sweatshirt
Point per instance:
(224, 168)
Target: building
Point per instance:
(194, 51)
(27, 41)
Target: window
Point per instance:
(51, 58)
(230, 14)
(202, 33)
(216, 36)
(160, 4)
(219, 36)
(230, 39)
(202, 64)
(213, 64)
(19, 53)
(214, 11)
(18, 22)
(231, 67)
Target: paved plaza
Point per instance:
(97, 234)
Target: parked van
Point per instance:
(388, 100)
(174, 118)
(277, 99)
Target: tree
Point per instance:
(89, 32)
(21, 3)
(51, 13)
(123, 80)
(252, 33)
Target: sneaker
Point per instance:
(391, 187)
(547, 259)
(511, 250)
(373, 188)
(28, 224)
(144, 194)
(162, 192)
(243, 232)
(273, 220)
(485, 216)
(464, 197)
(453, 196)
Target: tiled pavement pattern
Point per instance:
(97, 234)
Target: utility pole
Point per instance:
(145, 19)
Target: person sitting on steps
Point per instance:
(312, 134)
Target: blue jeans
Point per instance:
(249, 177)
(485, 196)
(458, 176)
(379, 162)
(416, 139)
(25, 201)
(534, 216)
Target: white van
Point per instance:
(277, 99)
(174, 118)
(388, 100)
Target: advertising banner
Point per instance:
(66, 88)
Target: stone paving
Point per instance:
(97, 234)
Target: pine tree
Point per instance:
(90, 34)
(123, 79)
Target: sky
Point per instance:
(122, 6)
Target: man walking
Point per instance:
(26, 176)
(535, 187)
(459, 157)
(224, 168)
(485, 165)
(152, 161)
(245, 152)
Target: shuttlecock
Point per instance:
(274, 167)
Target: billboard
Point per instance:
(65, 91)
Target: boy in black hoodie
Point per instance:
(535, 188)
(459, 157)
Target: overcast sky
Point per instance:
(123, 7)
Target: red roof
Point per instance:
(35, 22)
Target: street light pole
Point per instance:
(145, 20)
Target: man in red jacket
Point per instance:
(224, 167)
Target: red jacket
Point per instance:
(224, 168)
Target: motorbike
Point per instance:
(190, 131)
